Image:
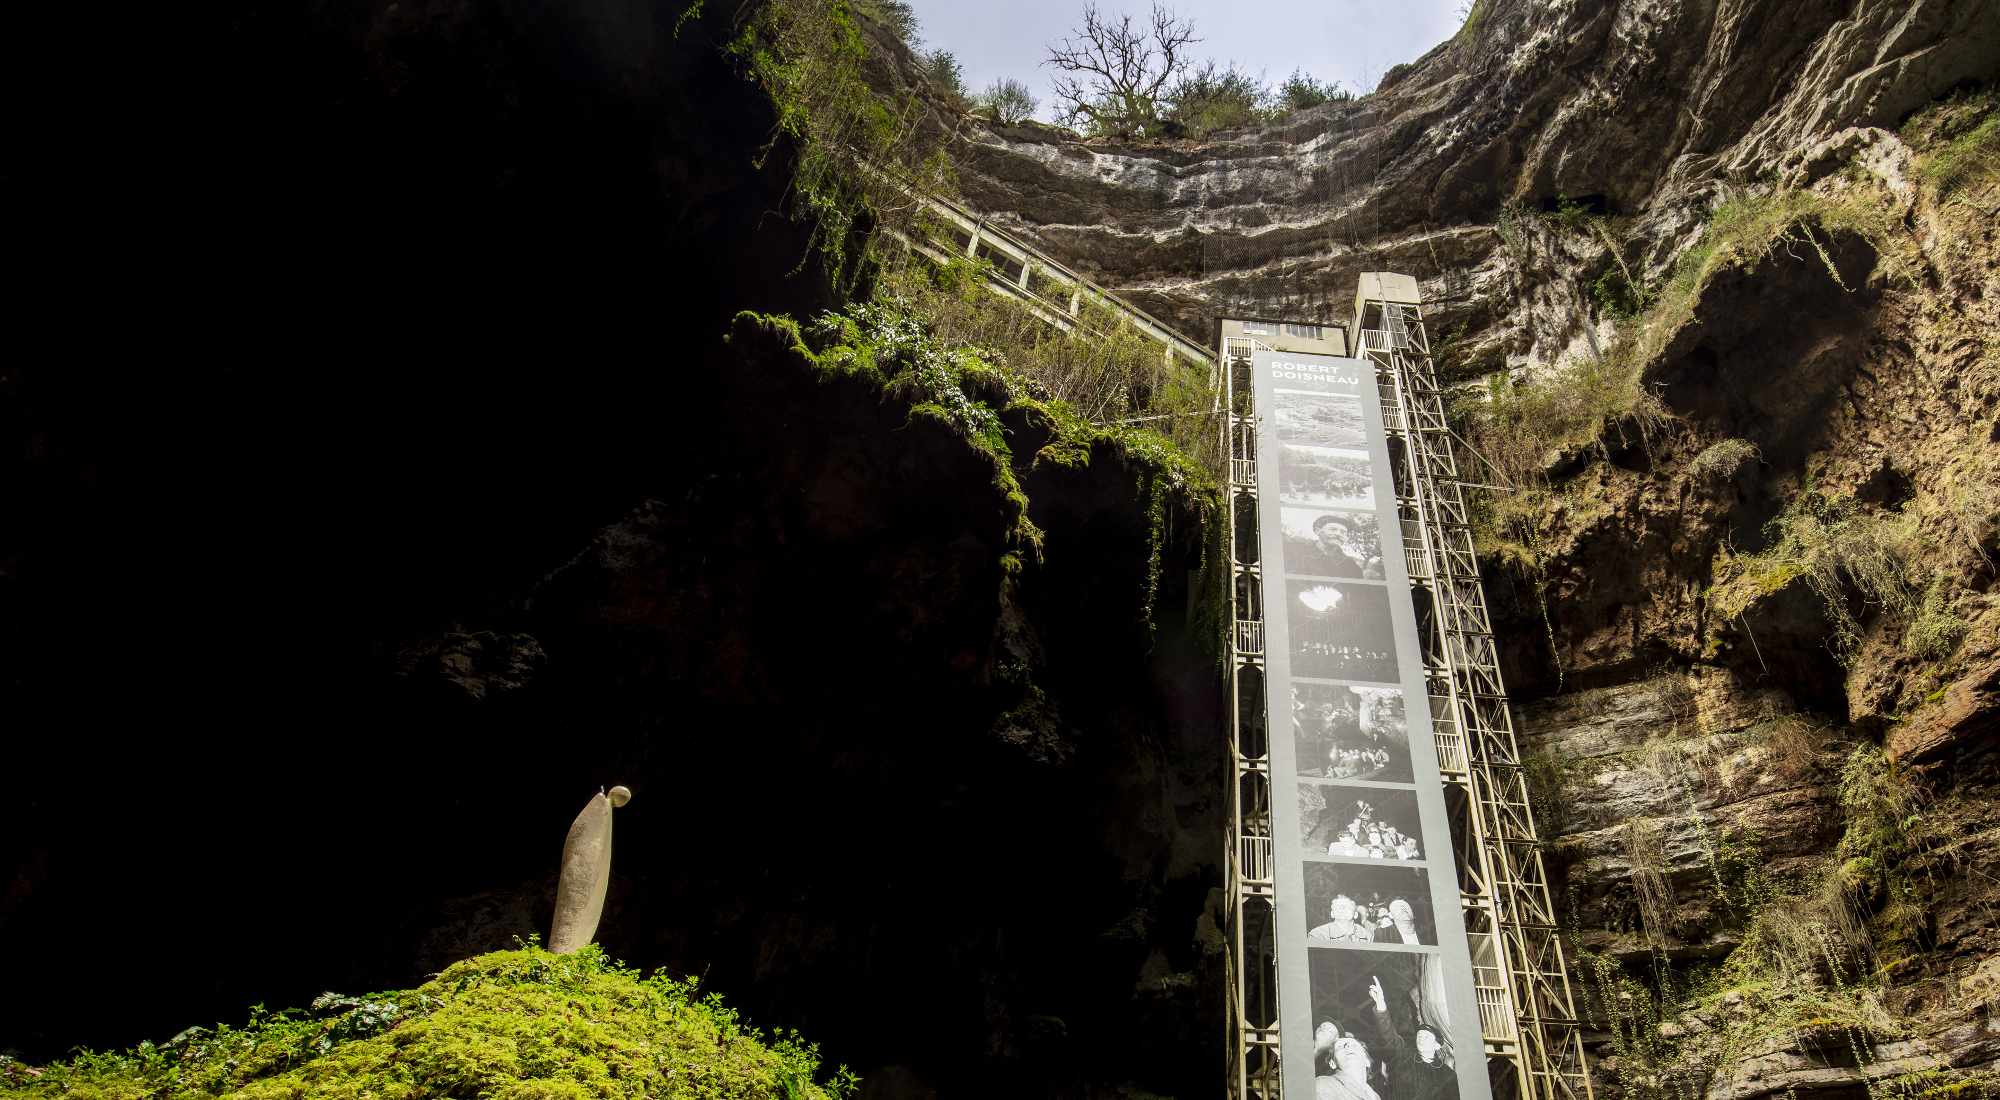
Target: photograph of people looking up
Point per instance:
(1351, 904)
(1320, 420)
(1382, 1028)
(1325, 477)
(1344, 545)
(1342, 732)
(1340, 630)
(1359, 822)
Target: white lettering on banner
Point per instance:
(1283, 370)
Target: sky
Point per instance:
(1352, 41)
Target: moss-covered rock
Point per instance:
(511, 1025)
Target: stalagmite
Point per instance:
(586, 872)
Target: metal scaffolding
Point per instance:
(1526, 1011)
(1252, 963)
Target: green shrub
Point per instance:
(897, 15)
(1008, 102)
(1300, 91)
(941, 68)
(511, 1025)
(1211, 98)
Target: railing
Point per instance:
(1450, 745)
(1416, 562)
(1056, 294)
(1250, 637)
(1496, 1016)
(1256, 861)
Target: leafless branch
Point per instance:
(1111, 72)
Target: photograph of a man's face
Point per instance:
(1321, 543)
(1352, 903)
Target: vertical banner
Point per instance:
(1374, 974)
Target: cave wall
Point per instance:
(410, 484)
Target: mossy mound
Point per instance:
(512, 1025)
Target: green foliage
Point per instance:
(916, 341)
(1522, 427)
(1101, 370)
(941, 68)
(1616, 295)
(1513, 224)
(1007, 102)
(1211, 98)
(1886, 831)
(511, 1025)
(1570, 214)
(1936, 628)
(851, 144)
(1840, 549)
(1959, 144)
(897, 15)
(1300, 91)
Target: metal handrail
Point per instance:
(983, 232)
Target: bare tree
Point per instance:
(1112, 73)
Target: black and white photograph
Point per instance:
(1329, 420)
(1341, 732)
(1340, 630)
(1381, 1027)
(1359, 822)
(1343, 545)
(1325, 477)
(1350, 903)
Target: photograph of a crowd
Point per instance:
(1340, 630)
(1381, 1027)
(1344, 545)
(1342, 732)
(1359, 822)
(1350, 903)
(1325, 477)
(1320, 420)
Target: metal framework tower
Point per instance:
(1526, 1009)
(1251, 930)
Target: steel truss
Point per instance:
(1526, 1012)
(1252, 963)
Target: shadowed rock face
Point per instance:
(461, 508)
